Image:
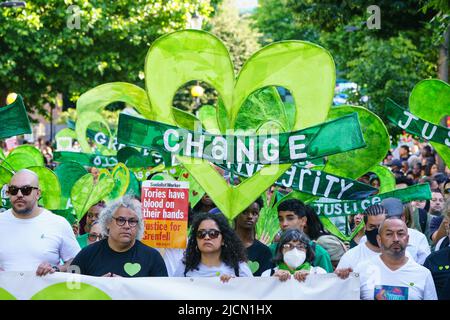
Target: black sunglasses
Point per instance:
(212, 233)
(25, 190)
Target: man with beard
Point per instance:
(33, 238)
(373, 217)
(393, 275)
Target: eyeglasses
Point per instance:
(94, 236)
(120, 221)
(25, 190)
(290, 246)
(212, 233)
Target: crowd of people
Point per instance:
(402, 252)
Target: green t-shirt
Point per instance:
(82, 240)
(322, 258)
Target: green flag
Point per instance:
(86, 159)
(14, 120)
(336, 209)
(415, 125)
(336, 136)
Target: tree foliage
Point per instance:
(45, 53)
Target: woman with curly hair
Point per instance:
(213, 250)
(294, 257)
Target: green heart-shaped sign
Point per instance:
(121, 177)
(85, 193)
(430, 101)
(132, 268)
(305, 69)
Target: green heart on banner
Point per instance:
(305, 69)
(132, 268)
(430, 101)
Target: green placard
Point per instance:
(86, 159)
(415, 125)
(315, 182)
(343, 208)
(301, 145)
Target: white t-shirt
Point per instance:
(172, 258)
(355, 255)
(26, 243)
(439, 243)
(418, 246)
(205, 271)
(313, 270)
(410, 282)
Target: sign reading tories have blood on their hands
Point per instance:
(165, 212)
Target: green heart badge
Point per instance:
(132, 268)
(305, 69)
(253, 265)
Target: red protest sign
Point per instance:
(165, 212)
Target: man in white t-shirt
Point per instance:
(373, 217)
(392, 275)
(418, 247)
(33, 238)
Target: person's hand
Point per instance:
(225, 277)
(282, 275)
(44, 268)
(1, 269)
(301, 275)
(109, 274)
(343, 273)
(265, 238)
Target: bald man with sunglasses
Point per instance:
(31, 237)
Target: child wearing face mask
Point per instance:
(294, 257)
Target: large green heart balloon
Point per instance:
(305, 69)
(430, 100)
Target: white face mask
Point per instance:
(294, 258)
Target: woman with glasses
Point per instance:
(293, 257)
(213, 250)
(121, 253)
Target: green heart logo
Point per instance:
(253, 265)
(85, 193)
(132, 268)
(441, 268)
(430, 100)
(447, 267)
(305, 69)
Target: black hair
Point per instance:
(315, 228)
(294, 205)
(406, 147)
(294, 235)
(373, 210)
(402, 179)
(232, 252)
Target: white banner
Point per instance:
(62, 286)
